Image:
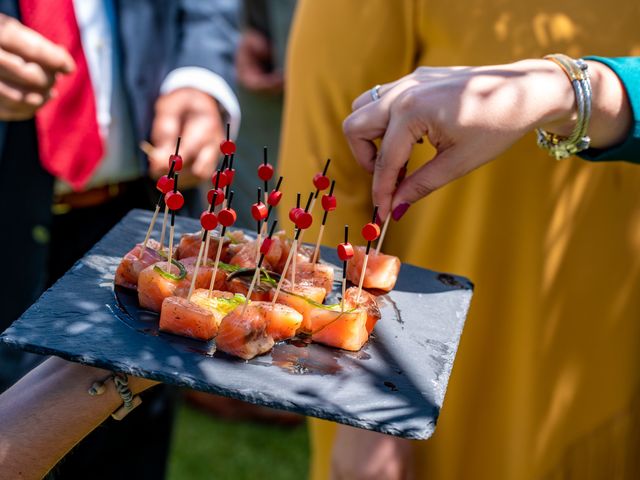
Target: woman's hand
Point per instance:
(470, 115)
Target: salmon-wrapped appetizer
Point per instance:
(200, 316)
(131, 266)
(283, 321)
(252, 330)
(244, 332)
(315, 274)
(155, 284)
(240, 281)
(382, 270)
(304, 299)
(348, 329)
(189, 246)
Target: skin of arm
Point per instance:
(471, 115)
(45, 414)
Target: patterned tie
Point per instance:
(69, 139)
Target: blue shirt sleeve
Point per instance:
(628, 70)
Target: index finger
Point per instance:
(33, 47)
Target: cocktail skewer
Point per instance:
(321, 182)
(259, 212)
(370, 232)
(302, 220)
(273, 199)
(264, 250)
(176, 161)
(226, 217)
(209, 222)
(401, 175)
(329, 204)
(164, 185)
(174, 201)
(265, 172)
(345, 253)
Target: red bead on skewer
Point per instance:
(265, 172)
(266, 245)
(321, 182)
(165, 184)
(174, 200)
(371, 231)
(208, 220)
(227, 147)
(259, 211)
(220, 178)
(230, 171)
(345, 251)
(329, 203)
(219, 197)
(304, 220)
(178, 164)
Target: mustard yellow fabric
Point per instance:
(546, 382)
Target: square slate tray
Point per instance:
(396, 384)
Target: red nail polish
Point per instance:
(400, 210)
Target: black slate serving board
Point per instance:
(395, 384)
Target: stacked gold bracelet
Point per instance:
(563, 147)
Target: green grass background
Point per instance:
(205, 447)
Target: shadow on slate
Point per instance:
(395, 384)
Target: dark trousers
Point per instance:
(38, 249)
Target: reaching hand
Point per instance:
(29, 64)
(363, 455)
(470, 115)
(195, 116)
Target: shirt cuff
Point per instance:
(208, 82)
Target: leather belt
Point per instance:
(93, 197)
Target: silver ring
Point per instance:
(375, 93)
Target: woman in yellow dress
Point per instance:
(546, 383)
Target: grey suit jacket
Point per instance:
(157, 36)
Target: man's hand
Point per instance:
(363, 455)
(29, 64)
(195, 116)
(253, 64)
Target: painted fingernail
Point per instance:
(400, 210)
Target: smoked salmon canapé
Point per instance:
(247, 255)
(198, 317)
(253, 329)
(314, 274)
(155, 284)
(189, 246)
(348, 329)
(382, 270)
(302, 298)
(240, 281)
(205, 271)
(133, 263)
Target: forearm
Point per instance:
(49, 411)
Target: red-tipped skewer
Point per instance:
(329, 204)
(208, 221)
(265, 172)
(302, 220)
(175, 162)
(345, 253)
(401, 175)
(370, 232)
(264, 250)
(259, 212)
(174, 201)
(164, 185)
(321, 182)
(226, 217)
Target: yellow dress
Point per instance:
(546, 383)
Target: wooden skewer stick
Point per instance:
(197, 266)
(219, 252)
(294, 247)
(401, 175)
(301, 234)
(316, 251)
(366, 260)
(383, 233)
(344, 270)
(171, 228)
(256, 274)
(148, 235)
(259, 227)
(166, 208)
